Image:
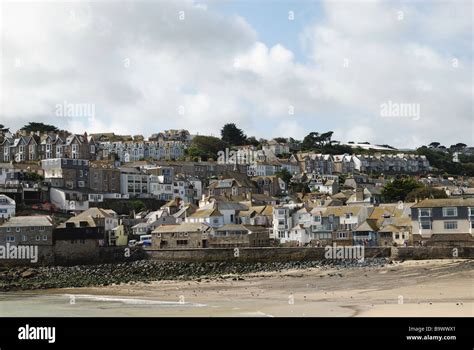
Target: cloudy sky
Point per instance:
(275, 68)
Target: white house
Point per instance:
(283, 222)
(7, 207)
(300, 234)
(7, 173)
(69, 200)
(211, 217)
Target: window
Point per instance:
(397, 236)
(450, 211)
(41, 228)
(317, 218)
(17, 229)
(348, 215)
(471, 211)
(8, 229)
(450, 225)
(24, 238)
(45, 237)
(38, 238)
(425, 225)
(472, 224)
(341, 235)
(181, 242)
(10, 238)
(425, 212)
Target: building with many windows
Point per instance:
(30, 230)
(7, 207)
(443, 217)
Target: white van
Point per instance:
(145, 240)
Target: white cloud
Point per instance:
(137, 63)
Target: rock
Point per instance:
(28, 273)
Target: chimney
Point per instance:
(359, 194)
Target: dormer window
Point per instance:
(450, 211)
(425, 212)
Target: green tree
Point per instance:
(315, 140)
(41, 127)
(252, 140)
(424, 193)
(232, 135)
(442, 162)
(398, 189)
(342, 179)
(137, 205)
(285, 175)
(206, 147)
(434, 144)
(280, 139)
(31, 176)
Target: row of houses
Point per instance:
(221, 222)
(36, 146)
(73, 184)
(432, 220)
(347, 164)
(447, 221)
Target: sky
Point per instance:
(274, 68)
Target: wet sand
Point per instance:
(426, 288)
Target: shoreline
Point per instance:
(430, 288)
(147, 271)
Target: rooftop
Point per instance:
(27, 221)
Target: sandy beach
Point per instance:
(412, 288)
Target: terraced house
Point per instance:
(5, 148)
(441, 221)
(37, 230)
